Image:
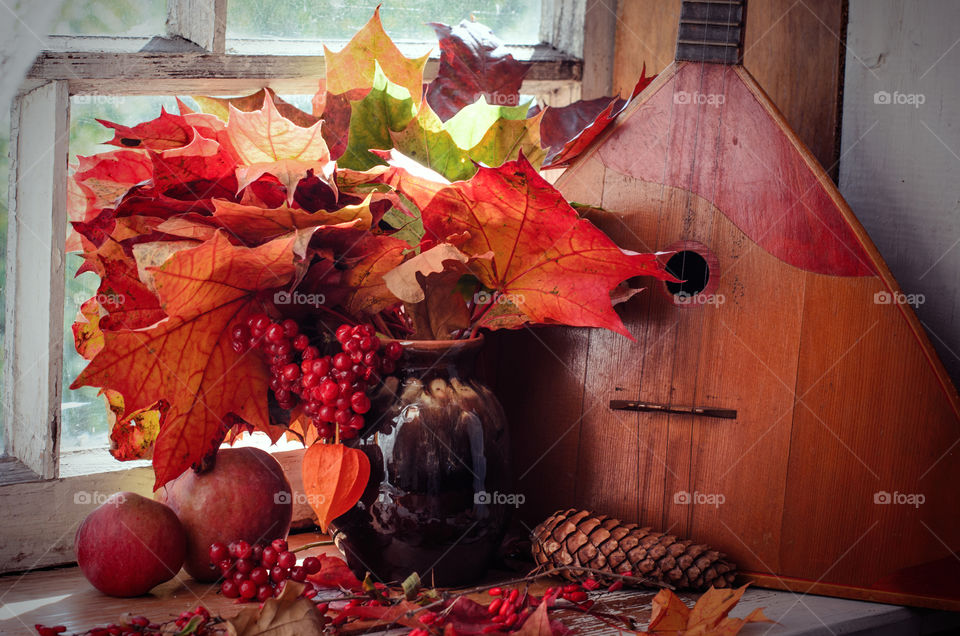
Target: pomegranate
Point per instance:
(244, 496)
(130, 544)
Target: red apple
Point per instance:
(130, 544)
(244, 496)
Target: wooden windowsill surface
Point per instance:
(61, 596)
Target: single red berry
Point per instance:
(495, 591)
(511, 620)
(326, 414)
(513, 596)
(325, 430)
(244, 565)
(342, 362)
(360, 403)
(233, 548)
(329, 391)
(494, 606)
(616, 585)
(290, 328)
(591, 584)
(312, 565)
(259, 576)
(218, 552)
(264, 592)
(240, 332)
(343, 333)
(311, 353)
(258, 322)
(298, 574)
(248, 589)
(371, 359)
(576, 597)
(291, 372)
(393, 350)
(230, 589)
(311, 380)
(284, 349)
(224, 565)
(342, 417)
(239, 577)
(244, 549)
(278, 574)
(274, 333)
(352, 345)
(321, 366)
(286, 559)
(356, 422)
(269, 557)
(301, 342)
(367, 330)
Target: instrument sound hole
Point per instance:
(692, 269)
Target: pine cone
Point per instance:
(580, 538)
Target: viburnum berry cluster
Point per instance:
(257, 572)
(332, 389)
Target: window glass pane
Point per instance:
(513, 22)
(137, 18)
(84, 413)
(4, 185)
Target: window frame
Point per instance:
(41, 494)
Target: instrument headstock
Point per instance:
(711, 31)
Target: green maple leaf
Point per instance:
(387, 107)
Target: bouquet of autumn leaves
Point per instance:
(395, 203)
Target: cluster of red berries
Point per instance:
(333, 389)
(139, 625)
(258, 572)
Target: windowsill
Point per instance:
(12, 471)
(62, 596)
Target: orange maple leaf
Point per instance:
(548, 265)
(187, 359)
(266, 136)
(352, 69)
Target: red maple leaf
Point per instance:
(473, 64)
(549, 265)
(187, 359)
(582, 140)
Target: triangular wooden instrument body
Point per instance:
(840, 474)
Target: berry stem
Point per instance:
(313, 544)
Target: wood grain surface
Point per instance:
(794, 49)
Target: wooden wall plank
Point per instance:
(902, 160)
(793, 49)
